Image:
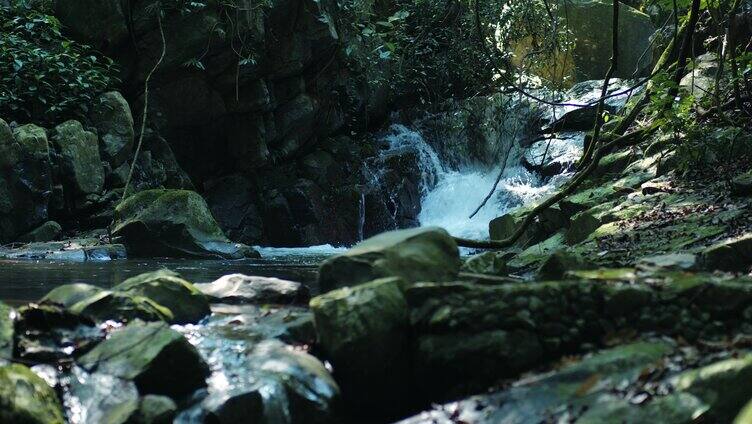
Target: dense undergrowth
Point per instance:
(45, 76)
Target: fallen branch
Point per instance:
(496, 183)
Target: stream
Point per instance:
(245, 346)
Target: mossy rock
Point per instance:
(549, 221)
(27, 399)
(419, 254)
(730, 255)
(491, 263)
(79, 151)
(723, 386)
(6, 332)
(109, 305)
(70, 294)
(158, 359)
(534, 255)
(558, 263)
(166, 288)
(363, 330)
(741, 185)
(173, 223)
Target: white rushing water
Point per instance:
(450, 196)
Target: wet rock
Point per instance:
(166, 288)
(421, 254)
(363, 330)
(268, 383)
(25, 180)
(79, 152)
(173, 223)
(700, 80)
(492, 263)
(154, 409)
(731, 255)
(26, 398)
(108, 305)
(158, 359)
(239, 288)
(48, 231)
(101, 398)
(720, 385)
(741, 185)
(7, 316)
(553, 156)
(48, 333)
(112, 117)
(70, 294)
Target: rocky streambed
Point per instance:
(404, 323)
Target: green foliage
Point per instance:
(431, 50)
(44, 76)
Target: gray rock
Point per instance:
(239, 288)
(491, 263)
(420, 254)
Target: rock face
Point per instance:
(186, 303)
(26, 398)
(420, 254)
(158, 359)
(590, 24)
(25, 180)
(239, 288)
(225, 116)
(79, 151)
(173, 223)
(112, 117)
(363, 331)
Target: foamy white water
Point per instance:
(455, 194)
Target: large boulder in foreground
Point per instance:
(158, 359)
(26, 398)
(363, 330)
(418, 254)
(185, 301)
(173, 223)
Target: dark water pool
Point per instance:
(24, 281)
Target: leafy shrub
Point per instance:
(44, 76)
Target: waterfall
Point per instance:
(449, 196)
